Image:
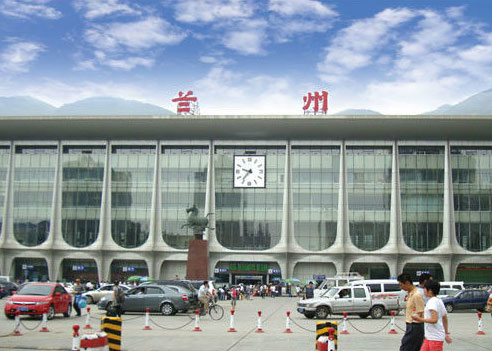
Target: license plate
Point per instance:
(23, 309)
(300, 309)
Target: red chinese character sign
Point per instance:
(312, 103)
(187, 103)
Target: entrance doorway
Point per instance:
(249, 279)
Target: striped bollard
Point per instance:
(259, 329)
(87, 319)
(392, 330)
(331, 339)
(147, 326)
(17, 324)
(287, 324)
(76, 338)
(231, 326)
(197, 321)
(344, 325)
(480, 325)
(44, 324)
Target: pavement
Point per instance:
(176, 332)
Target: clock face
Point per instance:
(249, 171)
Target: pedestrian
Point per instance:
(488, 308)
(118, 297)
(78, 290)
(309, 291)
(234, 294)
(424, 277)
(435, 319)
(414, 333)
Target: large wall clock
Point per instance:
(249, 171)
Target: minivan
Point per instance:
(385, 289)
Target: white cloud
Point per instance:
(100, 8)
(354, 46)
(16, 57)
(247, 42)
(301, 7)
(207, 11)
(28, 9)
(138, 35)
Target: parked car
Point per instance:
(447, 292)
(35, 299)
(337, 300)
(186, 284)
(8, 288)
(94, 296)
(341, 279)
(158, 298)
(467, 299)
(383, 289)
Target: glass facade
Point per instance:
(472, 186)
(84, 269)
(369, 195)
(82, 184)
(315, 184)
(4, 167)
(34, 177)
(422, 195)
(249, 218)
(30, 269)
(132, 183)
(121, 270)
(183, 184)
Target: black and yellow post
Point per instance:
(322, 330)
(112, 327)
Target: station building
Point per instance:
(104, 197)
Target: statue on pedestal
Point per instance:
(196, 223)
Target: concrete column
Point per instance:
(56, 209)
(395, 223)
(157, 202)
(446, 268)
(210, 235)
(448, 229)
(105, 227)
(153, 234)
(339, 244)
(286, 208)
(7, 212)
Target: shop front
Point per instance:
(30, 269)
(480, 274)
(83, 269)
(234, 273)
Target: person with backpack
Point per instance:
(117, 299)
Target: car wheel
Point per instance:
(449, 308)
(69, 311)
(51, 312)
(167, 309)
(309, 315)
(322, 312)
(364, 315)
(90, 300)
(377, 312)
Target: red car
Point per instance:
(35, 299)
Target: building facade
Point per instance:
(104, 198)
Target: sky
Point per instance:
(249, 56)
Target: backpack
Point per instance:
(120, 295)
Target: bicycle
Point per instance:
(215, 310)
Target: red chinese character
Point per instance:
(316, 98)
(184, 101)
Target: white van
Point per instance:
(341, 279)
(383, 289)
(452, 285)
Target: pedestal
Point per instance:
(197, 264)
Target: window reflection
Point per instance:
(315, 183)
(422, 191)
(249, 219)
(4, 165)
(33, 192)
(472, 185)
(82, 184)
(132, 174)
(369, 195)
(183, 183)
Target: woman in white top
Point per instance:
(435, 319)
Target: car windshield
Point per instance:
(452, 292)
(38, 290)
(331, 293)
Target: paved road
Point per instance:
(214, 337)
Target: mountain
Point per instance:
(24, 106)
(350, 112)
(110, 106)
(478, 104)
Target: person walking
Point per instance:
(234, 296)
(414, 333)
(117, 299)
(309, 291)
(435, 319)
(78, 290)
(424, 277)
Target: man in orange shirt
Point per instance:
(414, 333)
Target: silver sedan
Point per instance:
(157, 298)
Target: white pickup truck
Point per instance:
(337, 300)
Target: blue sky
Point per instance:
(249, 57)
